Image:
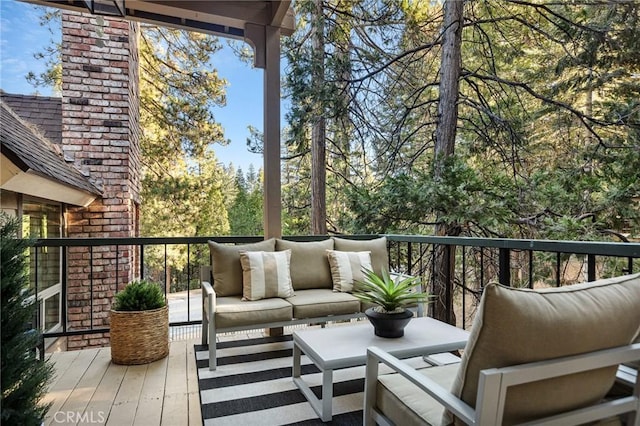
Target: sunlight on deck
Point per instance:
(88, 389)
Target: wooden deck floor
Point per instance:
(88, 389)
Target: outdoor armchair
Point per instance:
(532, 356)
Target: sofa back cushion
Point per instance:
(226, 268)
(266, 274)
(515, 326)
(347, 268)
(309, 263)
(377, 247)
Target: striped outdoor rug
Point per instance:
(253, 386)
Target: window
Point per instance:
(44, 220)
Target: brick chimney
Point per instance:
(100, 134)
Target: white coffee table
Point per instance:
(346, 346)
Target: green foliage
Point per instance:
(51, 55)
(140, 296)
(389, 294)
(24, 376)
(245, 214)
(182, 183)
(409, 202)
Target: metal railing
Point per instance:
(91, 269)
(511, 262)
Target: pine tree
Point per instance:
(24, 376)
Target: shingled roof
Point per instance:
(45, 112)
(31, 151)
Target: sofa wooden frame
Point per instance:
(494, 383)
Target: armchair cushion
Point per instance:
(405, 404)
(377, 247)
(346, 268)
(515, 326)
(309, 263)
(226, 267)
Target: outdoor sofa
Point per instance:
(533, 357)
(320, 272)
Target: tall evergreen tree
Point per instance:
(24, 376)
(245, 214)
(178, 88)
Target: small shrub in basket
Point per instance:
(140, 296)
(139, 324)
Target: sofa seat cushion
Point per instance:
(377, 247)
(405, 404)
(516, 326)
(309, 263)
(322, 302)
(232, 311)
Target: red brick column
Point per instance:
(100, 134)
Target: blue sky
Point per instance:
(21, 36)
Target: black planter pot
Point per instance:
(389, 325)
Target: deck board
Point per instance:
(152, 395)
(89, 389)
(65, 383)
(81, 396)
(176, 404)
(125, 404)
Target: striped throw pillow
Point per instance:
(346, 268)
(265, 274)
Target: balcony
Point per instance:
(166, 392)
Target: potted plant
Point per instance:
(391, 297)
(139, 324)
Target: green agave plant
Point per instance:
(390, 294)
(140, 296)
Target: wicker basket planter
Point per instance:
(139, 337)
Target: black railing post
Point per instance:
(530, 269)
(188, 282)
(504, 269)
(142, 261)
(91, 288)
(449, 281)
(118, 266)
(464, 287)
(591, 267)
(409, 259)
(63, 314)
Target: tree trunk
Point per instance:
(450, 69)
(318, 143)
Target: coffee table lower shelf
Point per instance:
(346, 346)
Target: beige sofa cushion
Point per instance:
(377, 247)
(515, 326)
(347, 268)
(265, 274)
(322, 302)
(309, 263)
(226, 267)
(405, 404)
(231, 311)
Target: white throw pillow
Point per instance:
(347, 267)
(266, 274)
